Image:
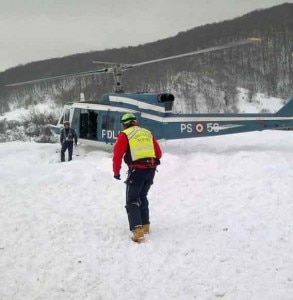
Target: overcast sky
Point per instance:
(32, 30)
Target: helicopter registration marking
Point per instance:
(200, 127)
(109, 134)
(213, 127)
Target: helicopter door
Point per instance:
(88, 124)
(108, 127)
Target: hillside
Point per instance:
(212, 78)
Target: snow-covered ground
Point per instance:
(221, 223)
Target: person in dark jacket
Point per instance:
(67, 137)
(142, 154)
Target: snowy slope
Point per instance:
(259, 102)
(221, 213)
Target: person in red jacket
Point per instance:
(142, 153)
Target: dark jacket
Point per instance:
(68, 134)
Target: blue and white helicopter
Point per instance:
(98, 123)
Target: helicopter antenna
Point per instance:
(117, 68)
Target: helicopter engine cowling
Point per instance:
(167, 100)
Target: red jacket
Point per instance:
(121, 147)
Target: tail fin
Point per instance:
(286, 110)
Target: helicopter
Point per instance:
(98, 122)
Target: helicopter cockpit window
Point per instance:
(66, 115)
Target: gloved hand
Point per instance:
(117, 177)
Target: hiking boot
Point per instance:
(146, 228)
(138, 234)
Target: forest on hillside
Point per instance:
(213, 77)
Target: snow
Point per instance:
(14, 115)
(260, 102)
(48, 106)
(221, 223)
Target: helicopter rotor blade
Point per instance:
(117, 68)
(220, 47)
(104, 62)
(75, 75)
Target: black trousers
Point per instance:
(138, 184)
(67, 145)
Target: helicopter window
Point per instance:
(108, 122)
(66, 114)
